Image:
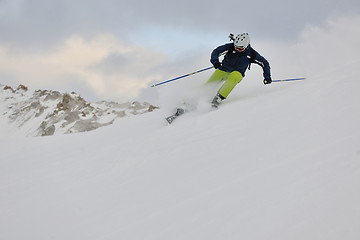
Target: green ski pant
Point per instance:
(231, 79)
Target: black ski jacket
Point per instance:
(239, 61)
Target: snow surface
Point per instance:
(273, 162)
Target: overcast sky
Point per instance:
(111, 49)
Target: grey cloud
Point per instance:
(113, 64)
(45, 21)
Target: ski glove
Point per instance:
(217, 65)
(267, 80)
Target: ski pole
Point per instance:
(186, 75)
(289, 79)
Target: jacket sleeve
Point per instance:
(219, 50)
(260, 60)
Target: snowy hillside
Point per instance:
(274, 162)
(45, 113)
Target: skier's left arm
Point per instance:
(260, 60)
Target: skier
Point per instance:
(239, 56)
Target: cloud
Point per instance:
(110, 67)
(48, 22)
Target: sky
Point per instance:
(112, 50)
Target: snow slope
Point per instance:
(273, 162)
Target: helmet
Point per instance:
(242, 40)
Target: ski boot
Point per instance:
(217, 100)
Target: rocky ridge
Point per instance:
(47, 112)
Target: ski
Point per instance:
(171, 118)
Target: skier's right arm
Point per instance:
(217, 51)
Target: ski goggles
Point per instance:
(239, 48)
